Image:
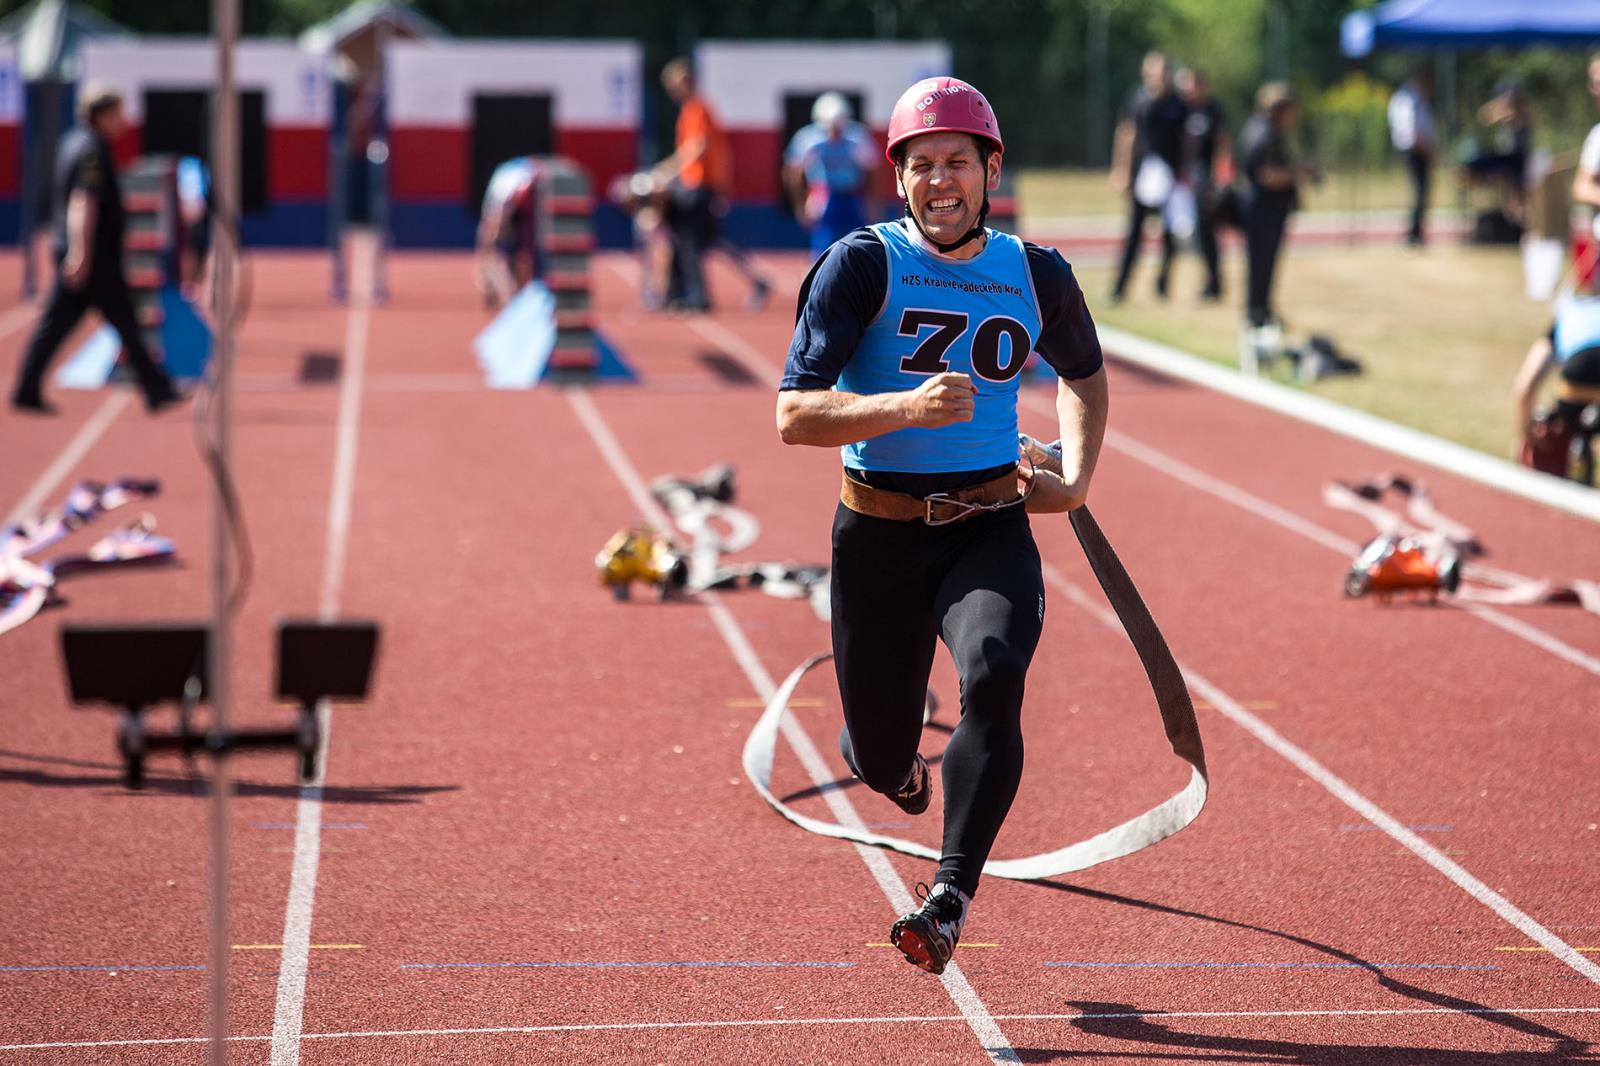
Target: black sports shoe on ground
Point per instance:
(918, 790)
(31, 405)
(758, 295)
(927, 936)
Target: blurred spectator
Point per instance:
(1586, 183)
(507, 246)
(1207, 166)
(1573, 345)
(644, 199)
(1272, 177)
(1411, 130)
(1586, 188)
(699, 174)
(194, 210)
(1146, 159)
(89, 222)
(1507, 113)
(827, 171)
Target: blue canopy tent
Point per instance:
(1471, 23)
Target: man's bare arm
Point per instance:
(681, 160)
(1122, 155)
(81, 218)
(794, 183)
(1535, 365)
(1081, 409)
(824, 418)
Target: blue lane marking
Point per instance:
(93, 969)
(1270, 965)
(1368, 827)
(721, 964)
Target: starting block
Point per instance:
(136, 668)
(182, 343)
(521, 346)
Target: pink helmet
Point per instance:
(942, 105)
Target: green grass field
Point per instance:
(1441, 332)
(1056, 194)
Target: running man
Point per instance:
(89, 224)
(828, 170)
(508, 254)
(907, 354)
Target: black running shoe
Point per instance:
(913, 797)
(927, 936)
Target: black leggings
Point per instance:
(1137, 213)
(107, 292)
(977, 586)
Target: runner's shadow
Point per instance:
(159, 785)
(1122, 1021)
(1564, 1048)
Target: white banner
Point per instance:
(746, 81)
(591, 84)
(294, 82)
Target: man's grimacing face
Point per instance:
(943, 178)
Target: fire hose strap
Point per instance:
(1172, 701)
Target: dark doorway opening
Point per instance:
(178, 122)
(505, 126)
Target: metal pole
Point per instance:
(338, 164)
(1097, 93)
(1277, 41)
(225, 170)
(378, 171)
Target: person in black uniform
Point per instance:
(1150, 137)
(1271, 192)
(88, 228)
(1205, 149)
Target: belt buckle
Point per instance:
(944, 497)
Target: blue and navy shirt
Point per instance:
(1577, 326)
(841, 164)
(882, 312)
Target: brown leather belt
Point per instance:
(1573, 393)
(937, 509)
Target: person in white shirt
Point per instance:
(1411, 131)
(1586, 183)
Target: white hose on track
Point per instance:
(1136, 834)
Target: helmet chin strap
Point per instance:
(971, 235)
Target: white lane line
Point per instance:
(1230, 708)
(890, 1019)
(14, 319)
(728, 342)
(1180, 471)
(1410, 444)
(290, 1006)
(1224, 490)
(70, 456)
(732, 344)
(900, 899)
(1233, 494)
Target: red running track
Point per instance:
(536, 843)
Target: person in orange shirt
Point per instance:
(699, 174)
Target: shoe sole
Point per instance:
(921, 948)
